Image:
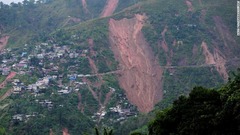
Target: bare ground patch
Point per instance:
(84, 4)
(109, 8)
(141, 77)
(216, 58)
(3, 42)
(189, 5)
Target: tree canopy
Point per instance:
(204, 111)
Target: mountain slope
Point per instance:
(39, 19)
(205, 111)
(118, 58)
(141, 74)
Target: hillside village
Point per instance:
(68, 66)
(51, 67)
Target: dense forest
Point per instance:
(205, 111)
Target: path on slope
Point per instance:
(7, 94)
(3, 42)
(97, 95)
(216, 58)
(109, 8)
(189, 5)
(4, 83)
(9, 77)
(3, 106)
(84, 4)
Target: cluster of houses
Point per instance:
(47, 60)
(23, 117)
(18, 86)
(5, 66)
(49, 57)
(54, 51)
(45, 103)
(120, 112)
(46, 54)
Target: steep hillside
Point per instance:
(38, 20)
(109, 8)
(205, 111)
(86, 63)
(141, 76)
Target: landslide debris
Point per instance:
(109, 8)
(216, 58)
(3, 41)
(141, 75)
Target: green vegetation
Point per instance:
(204, 111)
(2, 131)
(43, 118)
(105, 131)
(66, 24)
(2, 78)
(5, 89)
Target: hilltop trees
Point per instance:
(205, 111)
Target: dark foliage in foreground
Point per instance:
(205, 111)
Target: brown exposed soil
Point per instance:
(164, 44)
(190, 6)
(174, 42)
(108, 97)
(7, 94)
(91, 45)
(65, 131)
(92, 53)
(220, 64)
(109, 8)
(93, 65)
(3, 42)
(209, 58)
(97, 96)
(217, 59)
(94, 94)
(3, 84)
(51, 132)
(80, 105)
(224, 32)
(84, 4)
(9, 77)
(165, 47)
(141, 77)
(71, 20)
(203, 15)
